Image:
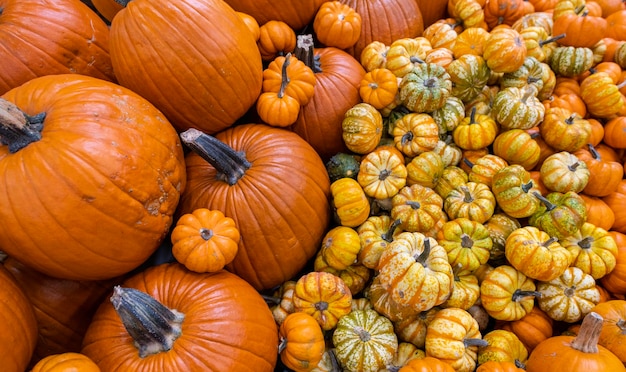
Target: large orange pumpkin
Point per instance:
(51, 37)
(275, 187)
(63, 308)
(296, 14)
(20, 326)
(227, 325)
(385, 21)
(337, 81)
(95, 196)
(204, 73)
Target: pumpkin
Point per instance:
(614, 132)
(412, 328)
(571, 61)
(356, 276)
(531, 329)
(65, 362)
(364, 341)
(604, 174)
(30, 51)
(518, 108)
(575, 353)
(472, 200)
(615, 201)
(494, 366)
(440, 35)
(450, 115)
(375, 234)
(615, 281)
(484, 168)
(598, 212)
(338, 77)
(453, 337)
(362, 128)
(425, 88)
(281, 302)
(205, 240)
(379, 87)
(276, 38)
(513, 190)
(503, 12)
(189, 95)
(382, 173)
(469, 13)
(374, 56)
(560, 214)
(564, 172)
(612, 335)
(476, 131)
(417, 207)
(290, 75)
(467, 243)
(451, 178)
(406, 53)
(249, 20)
(385, 22)
(500, 226)
(536, 254)
(340, 247)
(507, 294)
(415, 271)
(505, 50)
(381, 300)
(324, 296)
(503, 346)
(425, 169)
(301, 342)
(426, 364)
(568, 297)
(337, 25)
(470, 41)
(564, 130)
(252, 153)
(63, 308)
(20, 319)
(465, 290)
(592, 250)
(126, 168)
(469, 75)
(343, 165)
(415, 133)
(349, 202)
(601, 95)
(295, 15)
(140, 321)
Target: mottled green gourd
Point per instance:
(342, 165)
(425, 88)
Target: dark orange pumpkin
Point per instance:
(42, 38)
(63, 308)
(107, 8)
(296, 14)
(227, 325)
(275, 187)
(204, 74)
(337, 82)
(20, 326)
(385, 21)
(95, 197)
(615, 281)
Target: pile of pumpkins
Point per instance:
(352, 185)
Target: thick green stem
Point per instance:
(17, 129)
(152, 325)
(230, 164)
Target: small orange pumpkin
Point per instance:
(301, 342)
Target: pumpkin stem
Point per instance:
(573, 167)
(473, 115)
(321, 305)
(570, 120)
(587, 339)
(415, 59)
(519, 295)
(271, 299)
(230, 164)
(205, 233)
(406, 137)
(468, 198)
(333, 361)
(282, 344)
(527, 186)
(519, 364)
(549, 205)
(551, 39)
(413, 204)
(468, 163)
(621, 85)
(425, 253)
(468, 342)
(621, 324)
(549, 241)
(586, 242)
(594, 153)
(284, 77)
(152, 325)
(388, 235)
(305, 52)
(466, 241)
(17, 129)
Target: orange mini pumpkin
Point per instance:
(337, 25)
(301, 342)
(205, 240)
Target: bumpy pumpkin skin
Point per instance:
(281, 205)
(214, 305)
(194, 72)
(114, 161)
(43, 38)
(20, 333)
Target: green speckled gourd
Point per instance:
(469, 75)
(560, 214)
(571, 61)
(425, 88)
(343, 165)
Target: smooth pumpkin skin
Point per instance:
(66, 362)
(280, 205)
(227, 326)
(20, 326)
(113, 160)
(45, 37)
(63, 308)
(296, 14)
(336, 91)
(204, 74)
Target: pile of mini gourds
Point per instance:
(349, 185)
